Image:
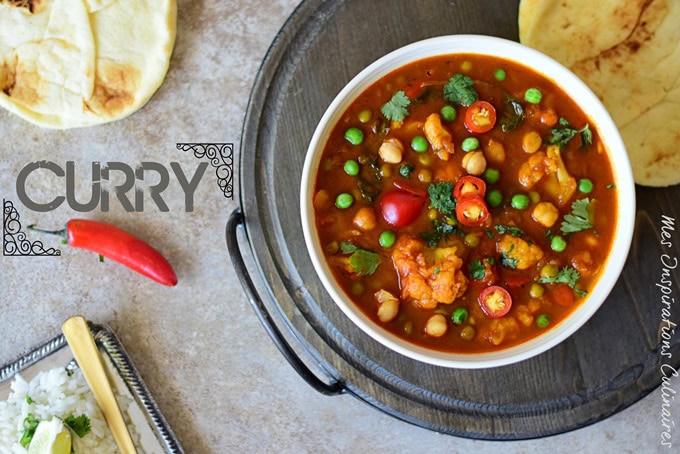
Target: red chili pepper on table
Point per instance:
(120, 246)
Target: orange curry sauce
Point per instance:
(515, 245)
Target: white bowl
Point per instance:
(576, 89)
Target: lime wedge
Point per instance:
(51, 437)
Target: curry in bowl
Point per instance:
(465, 203)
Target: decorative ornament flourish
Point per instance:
(221, 156)
(14, 241)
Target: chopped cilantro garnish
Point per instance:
(441, 197)
(579, 219)
(30, 424)
(489, 233)
(512, 230)
(362, 261)
(79, 424)
(28, 399)
(405, 170)
(563, 134)
(477, 269)
(566, 275)
(508, 262)
(458, 90)
(396, 109)
(440, 231)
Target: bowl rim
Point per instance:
(576, 89)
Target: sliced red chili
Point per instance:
(400, 208)
(480, 117)
(495, 301)
(408, 188)
(472, 211)
(469, 186)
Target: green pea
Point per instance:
(585, 186)
(470, 144)
(499, 74)
(494, 198)
(448, 113)
(419, 144)
(459, 316)
(365, 116)
(387, 238)
(354, 136)
(557, 243)
(491, 175)
(351, 167)
(344, 200)
(542, 321)
(520, 201)
(533, 95)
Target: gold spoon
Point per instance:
(82, 344)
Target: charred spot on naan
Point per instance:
(114, 89)
(20, 81)
(32, 6)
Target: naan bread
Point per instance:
(74, 63)
(628, 53)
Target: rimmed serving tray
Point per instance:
(155, 434)
(610, 363)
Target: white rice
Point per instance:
(54, 393)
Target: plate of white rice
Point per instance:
(46, 382)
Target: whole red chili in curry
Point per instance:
(120, 246)
(464, 200)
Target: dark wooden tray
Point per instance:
(610, 363)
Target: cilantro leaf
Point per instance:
(441, 197)
(363, 262)
(563, 134)
(477, 269)
(508, 262)
(440, 231)
(513, 114)
(30, 424)
(512, 230)
(29, 400)
(79, 424)
(405, 170)
(566, 275)
(579, 219)
(458, 90)
(396, 109)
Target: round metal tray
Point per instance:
(610, 363)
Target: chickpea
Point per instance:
(531, 142)
(436, 326)
(548, 117)
(546, 214)
(474, 163)
(322, 200)
(495, 152)
(365, 219)
(389, 306)
(391, 151)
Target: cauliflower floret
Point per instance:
(500, 329)
(517, 253)
(439, 138)
(559, 184)
(428, 276)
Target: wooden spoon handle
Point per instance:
(82, 344)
